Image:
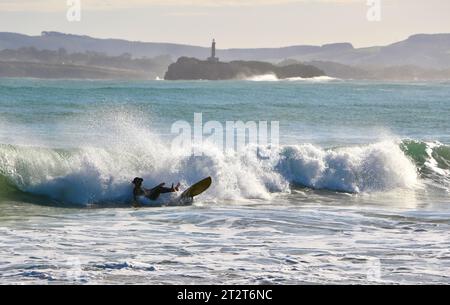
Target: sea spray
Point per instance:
(99, 175)
(274, 78)
(99, 169)
(377, 167)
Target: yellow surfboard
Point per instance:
(197, 189)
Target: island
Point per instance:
(194, 69)
(188, 68)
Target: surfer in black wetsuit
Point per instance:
(152, 194)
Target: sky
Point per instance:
(233, 23)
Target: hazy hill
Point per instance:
(392, 73)
(427, 51)
(64, 71)
(31, 62)
(423, 50)
(420, 57)
(338, 70)
(112, 47)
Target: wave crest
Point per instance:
(98, 175)
(376, 167)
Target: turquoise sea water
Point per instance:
(357, 192)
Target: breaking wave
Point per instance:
(99, 169)
(274, 78)
(99, 175)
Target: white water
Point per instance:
(274, 78)
(102, 173)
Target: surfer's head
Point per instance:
(137, 181)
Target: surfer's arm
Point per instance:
(164, 190)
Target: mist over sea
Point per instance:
(357, 192)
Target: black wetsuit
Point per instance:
(154, 193)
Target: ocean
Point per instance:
(356, 192)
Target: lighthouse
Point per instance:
(213, 57)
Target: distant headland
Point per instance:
(58, 55)
(187, 68)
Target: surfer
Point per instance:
(152, 194)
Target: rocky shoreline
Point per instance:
(194, 69)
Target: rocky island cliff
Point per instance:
(194, 69)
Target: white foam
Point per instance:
(263, 78)
(313, 79)
(101, 168)
(274, 78)
(92, 175)
(431, 162)
(377, 167)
